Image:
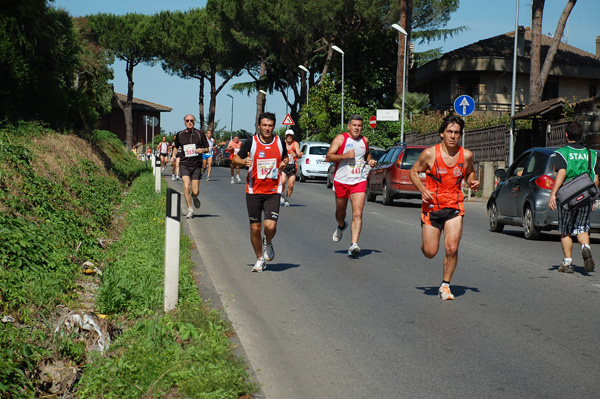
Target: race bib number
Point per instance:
(356, 169)
(189, 150)
(235, 151)
(291, 160)
(267, 169)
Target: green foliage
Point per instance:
(19, 354)
(44, 74)
(132, 282)
(116, 158)
(188, 351)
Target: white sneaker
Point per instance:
(287, 204)
(173, 177)
(281, 201)
(238, 179)
(189, 214)
(208, 178)
(354, 250)
(177, 177)
(268, 251)
(445, 294)
(338, 233)
(259, 266)
(232, 181)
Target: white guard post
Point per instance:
(172, 232)
(157, 175)
(153, 158)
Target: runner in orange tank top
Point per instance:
(446, 165)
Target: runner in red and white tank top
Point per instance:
(265, 156)
(350, 152)
(350, 171)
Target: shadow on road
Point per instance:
(280, 267)
(576, 269)
(363, 252)
(457, 290)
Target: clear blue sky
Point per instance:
(484, 18)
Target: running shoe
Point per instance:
(196, 202)
(338, 233)
(354, 250)
(268, 251)
(232, 181)
(565, 267)
(259, 266)
(287, 204)
(281, 201)
(444, 293)
(208, 178)
(238, 179)
(189, 214)
(177, 177)
(588, 262)
(173, 177)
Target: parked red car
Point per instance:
(390, 177)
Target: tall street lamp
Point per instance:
(511, 143)
(231, 125)
(307, 90)
(339, 50)
(264, 93)
(402, 31)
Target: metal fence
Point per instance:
(489, 144)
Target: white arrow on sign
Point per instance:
(464, 104)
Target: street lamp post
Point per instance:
(339, 50)
(402, 31)
(511, 144)
(307, 91)
(264, 93)
(231, 125)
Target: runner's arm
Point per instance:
(332, 155)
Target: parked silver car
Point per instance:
(312, 164)
(522, 194)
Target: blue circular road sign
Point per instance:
(464, 105)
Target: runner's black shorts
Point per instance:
(259, 203)
(195, 172)
(439, 218)
(290, 170)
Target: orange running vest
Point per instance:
(445, 183)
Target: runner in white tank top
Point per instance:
(350, 171)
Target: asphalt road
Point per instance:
(317, 324)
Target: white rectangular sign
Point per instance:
(388, 115)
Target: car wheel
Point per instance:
(370, 196)
(495, 226)
(531, 231)
(301, 177)
(387, 199)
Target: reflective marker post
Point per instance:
(157, 175)
(172, 232)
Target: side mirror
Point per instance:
(500, 173)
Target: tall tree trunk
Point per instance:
(201, 104)
(260, 101)
(128, 106)
(213, 100)
(406, 7)
(539, 74)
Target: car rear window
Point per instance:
(376, 154)
(410, 157)
(321, 150)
